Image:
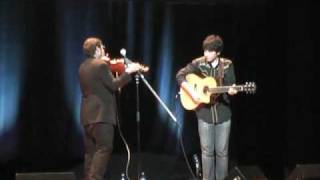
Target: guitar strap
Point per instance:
(219, 78)
(220, 72)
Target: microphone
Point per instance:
(123, 52)
(127, 61)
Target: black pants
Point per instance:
(98, 142)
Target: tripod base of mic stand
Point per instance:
(142, 176)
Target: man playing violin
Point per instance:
(98, 106)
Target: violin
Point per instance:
(117, 66)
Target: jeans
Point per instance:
(214, 141)
(98, 142)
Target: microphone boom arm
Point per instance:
(157, 97)
(127, 61)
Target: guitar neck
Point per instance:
(224, 89)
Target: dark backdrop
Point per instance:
(273, 44)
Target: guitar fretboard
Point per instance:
(224, 89)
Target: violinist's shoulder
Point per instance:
(100, 63)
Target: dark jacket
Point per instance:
(98, 87)
(219, 110)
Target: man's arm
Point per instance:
(109, 81)
(181, 79)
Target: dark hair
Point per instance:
(90, 45)
(212, 43)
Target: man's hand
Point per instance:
(194, 95)
(106, 58)
(232, 91)
(132, 68)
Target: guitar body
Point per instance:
(207, 87)
(199, 85)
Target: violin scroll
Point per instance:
(144, 68)
(136, 67)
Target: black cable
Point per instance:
(185, 156)
(179, 129)
(182, 146)
(127, 148)
(122, 137)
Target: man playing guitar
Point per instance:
(214, 117)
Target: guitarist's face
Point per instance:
(210, 55)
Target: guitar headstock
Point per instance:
(250, 87)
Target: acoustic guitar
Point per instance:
(207, 87)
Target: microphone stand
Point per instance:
(157, 97)
(137, 76)
(127, 62)
(138, 125)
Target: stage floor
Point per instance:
(156, 167)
